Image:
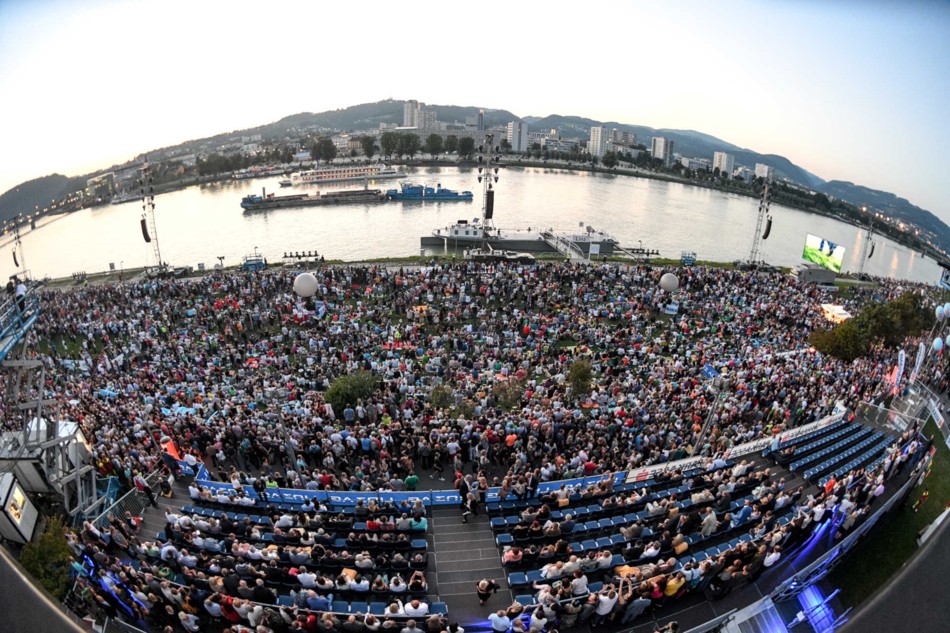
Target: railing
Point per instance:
(133, 501)
(16, 319)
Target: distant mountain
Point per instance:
(37, 192)
(685, 142)
(890, 205)
(370, 115)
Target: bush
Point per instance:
(350, 389)
(441, 397)
(579, 377)
(47, 559)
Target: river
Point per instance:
(200, 223)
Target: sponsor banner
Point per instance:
(935, 412)
(921, 354)
(434, 497)
(760, 445)
(901, 361)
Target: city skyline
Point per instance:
(831, 88)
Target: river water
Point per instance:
(200, 223)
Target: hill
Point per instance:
(33, 193)
(890, 205)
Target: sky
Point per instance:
(849, 90)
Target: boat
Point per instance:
(286, 182)
(341, 174)
(266, 201)
(409, 191)
(124, 197)
(466, 235)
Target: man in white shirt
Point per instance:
(307, 579)
(416, 608)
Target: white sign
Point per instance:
(935, 412)
(901, 361)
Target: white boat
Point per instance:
(344, 173)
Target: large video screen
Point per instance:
(824, 253)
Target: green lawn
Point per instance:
(893, 540)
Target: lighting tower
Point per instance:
(149, 229)
(759, 221)
(488, 159)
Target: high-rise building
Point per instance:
(763, 171)
(518, 136)
(724, 162)
(409, 110)
(426, 119)
(662, 148)
(597, 145)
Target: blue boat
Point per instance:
(409, 191)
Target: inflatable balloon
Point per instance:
(305, 285)
(939, 312)
(669, 282)
(946, 310)
(938, 344)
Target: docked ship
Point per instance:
(267, 201)
(344, 173)
(411, 192)
(464, 235)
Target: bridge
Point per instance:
(16, 320)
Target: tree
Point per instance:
(610, 160)
(466, 146)
(324, 149)
(579, 377)
(368, 143)
(451, 144)
(409, 144)
(505, 145)
(434, 145)
(47, 559)
(348, 390)
(389, 142)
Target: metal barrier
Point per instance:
(112, 625)
(16, 318)
(133, 501)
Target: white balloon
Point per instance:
(305, 285)
(669, 282)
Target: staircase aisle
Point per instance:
(464, 554)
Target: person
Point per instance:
(485, 588)
(500, 622)
(20, 294)
(143, 486)
(470, 507)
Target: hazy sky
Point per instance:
(848, 90)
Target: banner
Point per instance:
(901, 360)
(433, 498)
(935, 412)
(760, 445)
(921, 354)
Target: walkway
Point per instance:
(464, 554)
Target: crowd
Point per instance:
(234, 367)
(473, 367)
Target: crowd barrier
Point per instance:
(451, 497)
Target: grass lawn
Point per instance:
(892, 541)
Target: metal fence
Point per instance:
(133, 501)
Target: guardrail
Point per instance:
(133, 501)
(17, 316)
